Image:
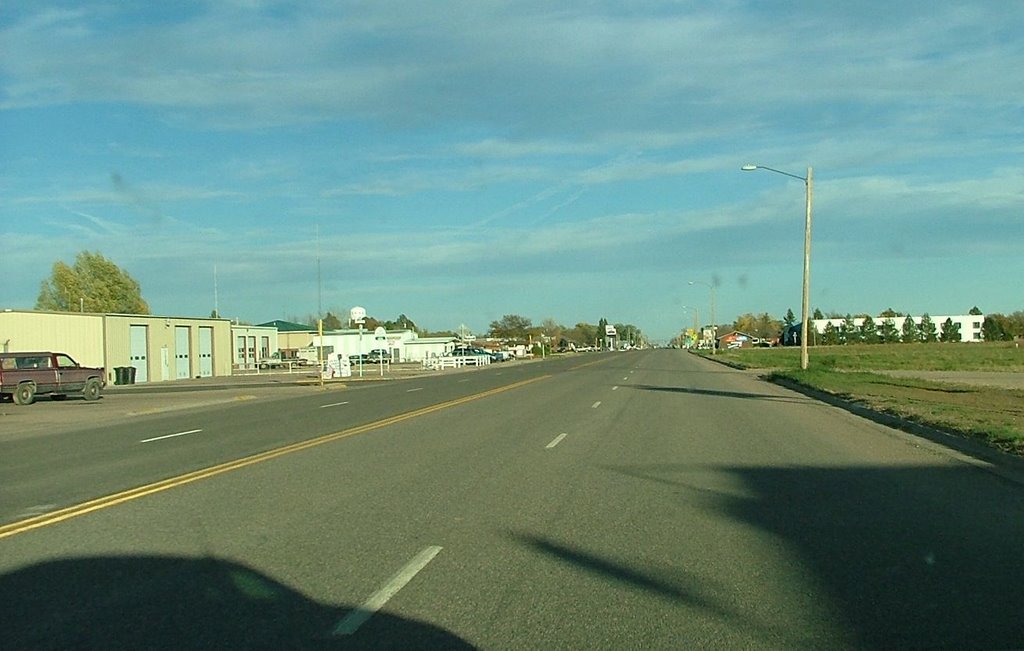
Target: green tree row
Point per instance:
(869, 332)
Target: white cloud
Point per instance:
(536, 66)
(573, 133)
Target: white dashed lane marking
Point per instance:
(558, 439)
(170, 436)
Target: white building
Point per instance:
(253, 344)
(401, 345)
(970, 324)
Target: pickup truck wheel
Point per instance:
(25, 394)
(92, 389)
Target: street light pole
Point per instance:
(805, 301)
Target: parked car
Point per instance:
(377, 356)
(23, 376)
(474, 351)
(469, 351)
(274, 361)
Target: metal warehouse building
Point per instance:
(158, 348)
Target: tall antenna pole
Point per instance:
(216, 300)
(319, 283)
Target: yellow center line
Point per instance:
(114, 499)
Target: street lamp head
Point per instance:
(749, 168)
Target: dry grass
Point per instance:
(997, 356)
(991, 414)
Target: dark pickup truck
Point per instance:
(23, 376)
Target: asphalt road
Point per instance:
(627, 500)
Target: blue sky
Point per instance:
(458, 161)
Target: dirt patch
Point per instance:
(1005, 380)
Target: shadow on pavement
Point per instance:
(681, 585)
(153, 602)
(721, 394)
(912, 556)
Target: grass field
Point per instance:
(856, 373)
(998, 356)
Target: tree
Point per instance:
(511, 327)
(950, 332)
(401, 322)
(551, 329)
(911, 334)
(868, 331)
(332, 322)
(789, 319)
(818, 314)
(830, 337)
(975, 311)
(848, 332)
(997, 327)
(93, 283)
(760, 325)
(927, 329)
(767, 326)
(745, 323)
(1016, 320)
(625, 333)
(583, 334)
(888, 333)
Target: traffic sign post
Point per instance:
(381, 335)
(358, 316)
(609, 331)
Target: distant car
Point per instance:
(469, 351)
(273, 362)
(378, 356)
(372, 357)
